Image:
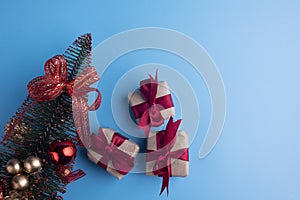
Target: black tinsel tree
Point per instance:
(42, 124)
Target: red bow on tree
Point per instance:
(55, 81)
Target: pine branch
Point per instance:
(78, 55)
(46, 122)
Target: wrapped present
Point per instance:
(167, 153)
(113, 152)
(151, 104)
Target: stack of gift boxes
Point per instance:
(167, 150)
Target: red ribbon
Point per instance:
(1, 192)
(149, 112)
(165, 141)
(109, 151)
(55, 81)
(69, 176)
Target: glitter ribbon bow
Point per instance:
(54, 82)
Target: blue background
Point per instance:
(256, 48)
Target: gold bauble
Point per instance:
(19, 182)
(32, 164)
(13, 166)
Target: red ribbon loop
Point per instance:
(81, 86)
(109, 151)
(48, 87)
(152, 115)
(165, 142)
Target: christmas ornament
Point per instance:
(19, 182)
(13, 166)
(62, 152)
(32, 164)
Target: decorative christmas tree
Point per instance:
(37, 153)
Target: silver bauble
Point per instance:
(14, 166)
(19, 182)
(32, 164)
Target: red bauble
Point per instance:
(62, 152)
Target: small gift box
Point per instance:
(113, 152)
(167, 153)
(152, 103)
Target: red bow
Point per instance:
(151, 115)
(165, 142)
(48, 87)
(109, 151)
(55, 81)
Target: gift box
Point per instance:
(152, 103)
(167, 153)
(113, 152)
